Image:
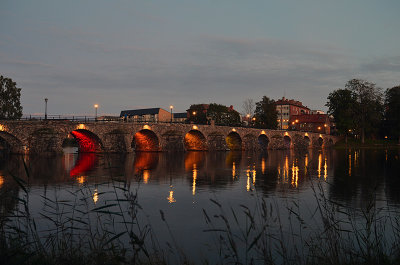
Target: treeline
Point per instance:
(362, 110)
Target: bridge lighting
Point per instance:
(81, 127)
(2, 128)
(306, 134)
(195, 127)
(297, 121)
(262, 132)
(233, 130)
(319, 128)
(286, 134)
(325, 125)
(146, 127)
(96, 106)
(320, 135)
(194, 112)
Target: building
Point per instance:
(319, 123)
(146, 115)
(287, 109)
(180, 117)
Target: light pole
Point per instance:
(95, 107)
(171, 107)
(45, 108)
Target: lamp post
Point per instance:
(45, 108)
(171, 107)
(95, 107)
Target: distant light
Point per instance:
(96, 105)
(297, 121)
(319, 128)
(248, 115)
(292, 122)
(325, 125)
(195, 127)
(146, 127)
(171, 107)
(385, 137)
(194, 112)
(81, 126)
(254, 118)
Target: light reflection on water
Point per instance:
(181, 184)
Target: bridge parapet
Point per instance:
(116, 136)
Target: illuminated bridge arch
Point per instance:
(287, 141)
(145, 140)
(195, 141)
(88, 142)
(234, 141)
(263, 141)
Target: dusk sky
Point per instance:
(129, 54)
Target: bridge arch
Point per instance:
(287, 141)
(263, 141)
(145, 140)
(234, 141)
(195, 141)
(320, 141)
(10, 143)
(88, 142)
(307, 141)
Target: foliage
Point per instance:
(358, 108)
(266, 115)
(368, 110)
(222, 115)
(341, 106)
(392, 112)
(10, 94)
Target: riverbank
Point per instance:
(369, 143)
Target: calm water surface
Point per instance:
(181, 184)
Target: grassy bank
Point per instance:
(369, 143)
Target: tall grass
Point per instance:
(72, 229)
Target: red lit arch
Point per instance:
(88, 142)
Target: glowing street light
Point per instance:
(96, 106)
(171, 107)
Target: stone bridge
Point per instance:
(37, 137)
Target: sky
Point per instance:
(127, 54)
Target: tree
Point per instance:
(248, 107)
(223, 115)
(266, 115)
(392, 112)
(340, 105)
(10, 105)
(368, 110)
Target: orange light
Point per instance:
(233, 130)
(325, 125)
(96, 105)
(171, 107)
(385, 137)
(297, 121)
(194, 112)
(2, 128)
(319, 128)
(293, 123)
(262, 132)
(195, 127)
(146, 127)
(81, 127)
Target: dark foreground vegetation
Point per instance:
(115, 232)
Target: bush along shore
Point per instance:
(113, 232)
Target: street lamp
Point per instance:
(45, 108)
(95, 107)
(171, 107)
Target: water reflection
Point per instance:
(353, 174)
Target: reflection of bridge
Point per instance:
(48, 137)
